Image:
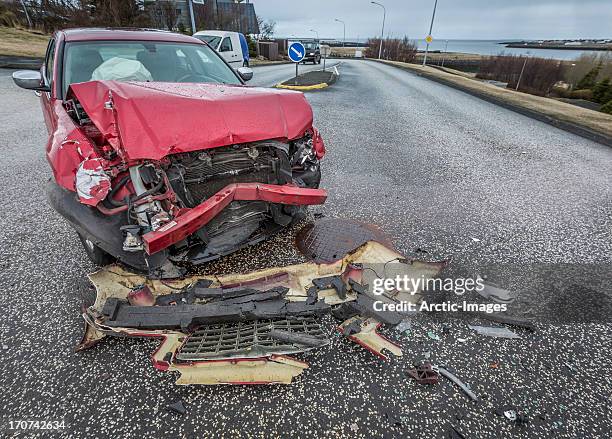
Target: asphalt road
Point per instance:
(439, 170)
(267, 76)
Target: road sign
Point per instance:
(325, 50)
(296, 52)
(428, 38)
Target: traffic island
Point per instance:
(314, 80)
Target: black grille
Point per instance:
(249, 339)
(208, 172)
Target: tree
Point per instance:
(602, 92)
(266, 28)
(589, 80)
(607, 108)
(165, 13)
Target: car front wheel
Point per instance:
(95, 253)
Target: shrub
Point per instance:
(607, 108)
(539, 75)
(394, 49)
(252, 46)
(582, 94)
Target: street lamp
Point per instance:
(429, 34)
(343, 32)
(382, 33)
(312, 30)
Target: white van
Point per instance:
(232, 46)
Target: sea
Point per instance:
(493, 47)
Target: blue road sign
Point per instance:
(297, 51)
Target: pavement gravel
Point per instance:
(438, 170)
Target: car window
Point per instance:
(143, 61)
(49, 62)
(226, 45)
(212, 40)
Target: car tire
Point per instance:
(94, 253)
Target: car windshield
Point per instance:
(310, 46)
(210, 39)
(144, 61)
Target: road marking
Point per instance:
(298, 53)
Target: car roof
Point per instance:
(214, 33)
(105, 34)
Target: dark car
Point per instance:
(313, 52)
(161, 155)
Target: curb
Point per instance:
(303, 87)
(20, 62)
(319, 86)
(573, 128)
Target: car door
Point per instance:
(228, 52)
(47, 71)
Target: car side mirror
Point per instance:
(245, 73)
(30, 80)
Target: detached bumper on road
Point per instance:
(194, 219)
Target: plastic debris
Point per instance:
(462, 340)
(475, 239)
(491, 331)
(512, 414)
(393, 419)
(404, 326)
(433, 335)
(177, 407)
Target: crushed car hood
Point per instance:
(150, 120)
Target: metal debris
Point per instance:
(524, 323)
(425, 373)
(496, 293)
(491, 331)
(466, 389)
(453, 433)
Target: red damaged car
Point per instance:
(161, 155)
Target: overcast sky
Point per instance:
(455, 19)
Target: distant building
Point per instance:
(233, 15)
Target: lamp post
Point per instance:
(312, 30)
(429, 34)
(444, 56)
(343, 31)
(192, 17)
(382, 32)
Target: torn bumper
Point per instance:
(239, 339)
(194, 219)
